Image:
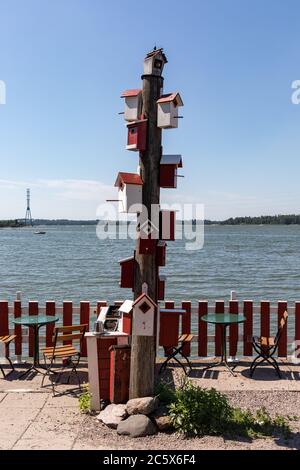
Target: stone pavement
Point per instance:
(31, 418)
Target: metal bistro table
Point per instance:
(35, 322)
(223, 320)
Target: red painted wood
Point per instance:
(119, 374)
(137, 135)
(167, 221)
(282, 346)
(169, 328)
(161, 254)
(186, 325)
(265, 318)
(297, 321)
(18, 328)
(33, 309)
(167, 176)
(233, 329)
(127, 272)
(161, 289)
(84, 320)
(4, 318)
(202, 328)
(50, 310)
(67, 316)
(219, 308)
(100, 303)
(103, 345)
(127, 323)
(248, 327)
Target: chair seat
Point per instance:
(185, 338)
(7, 339)
(60, 351)
(264, 340)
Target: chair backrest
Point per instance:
(69, 333)
(282, 324)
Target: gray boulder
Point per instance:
(142, 406)
(137, 426)
(112, 415)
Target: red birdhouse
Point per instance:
(147, 246)
(168, 170)
(137, 135)
(161, 253)
(127, 272)
(161, 287)
(167, 221)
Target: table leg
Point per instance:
(223, 361)
(35, 351)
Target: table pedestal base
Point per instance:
(224, 363)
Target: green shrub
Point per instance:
(165, 393)
(84, 401)
(198, 411)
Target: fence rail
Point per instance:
(262, 318)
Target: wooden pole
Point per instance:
(143, 348)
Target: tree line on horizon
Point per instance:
(290, 219)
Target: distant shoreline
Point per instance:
(290, 219)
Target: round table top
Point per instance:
(223, 318)
(33, 320)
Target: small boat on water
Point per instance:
(40, 232)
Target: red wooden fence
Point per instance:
(261, 318)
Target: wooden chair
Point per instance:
(174, 351)
(6, 340)
(266, 347)
(69, 354)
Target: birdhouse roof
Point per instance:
(171, 160)
(126, 260)
(156, 52)
(144, 297)
(169, 97)
(128, 178)
(135, 123)
(130, 93)
(126, 306)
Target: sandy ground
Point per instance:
(32, 419)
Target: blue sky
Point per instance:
(65, 63)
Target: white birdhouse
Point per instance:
(130, 192)
(133, 104)
(143, 316)
(154, 62)
(167, 110)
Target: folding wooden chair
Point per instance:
(69, 355)
(266, 347)
(6, 340)
(174, 351)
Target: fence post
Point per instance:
(84, 320)
(265, 318)
(33, 309)
(282, 346)
(50, 310)
(186, 325)
(219, 308)
(248, 327)
(67, 316)
(18, 330)
(233, 329)
(202, 328)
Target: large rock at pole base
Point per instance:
(142, 406)
(137, 426)
(112, 415)
(162, 418)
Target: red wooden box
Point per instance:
(137, 135)
(119, 373)
(168, 170)
(161, 288)
(167, 221)
(127, 272)
(161, 253)
(147, 246)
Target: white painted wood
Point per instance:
(167, 115)
(132, 108)
(93, 371)
(130, 198)
(143, 323)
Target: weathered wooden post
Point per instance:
(147, 112)
(143, 348)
